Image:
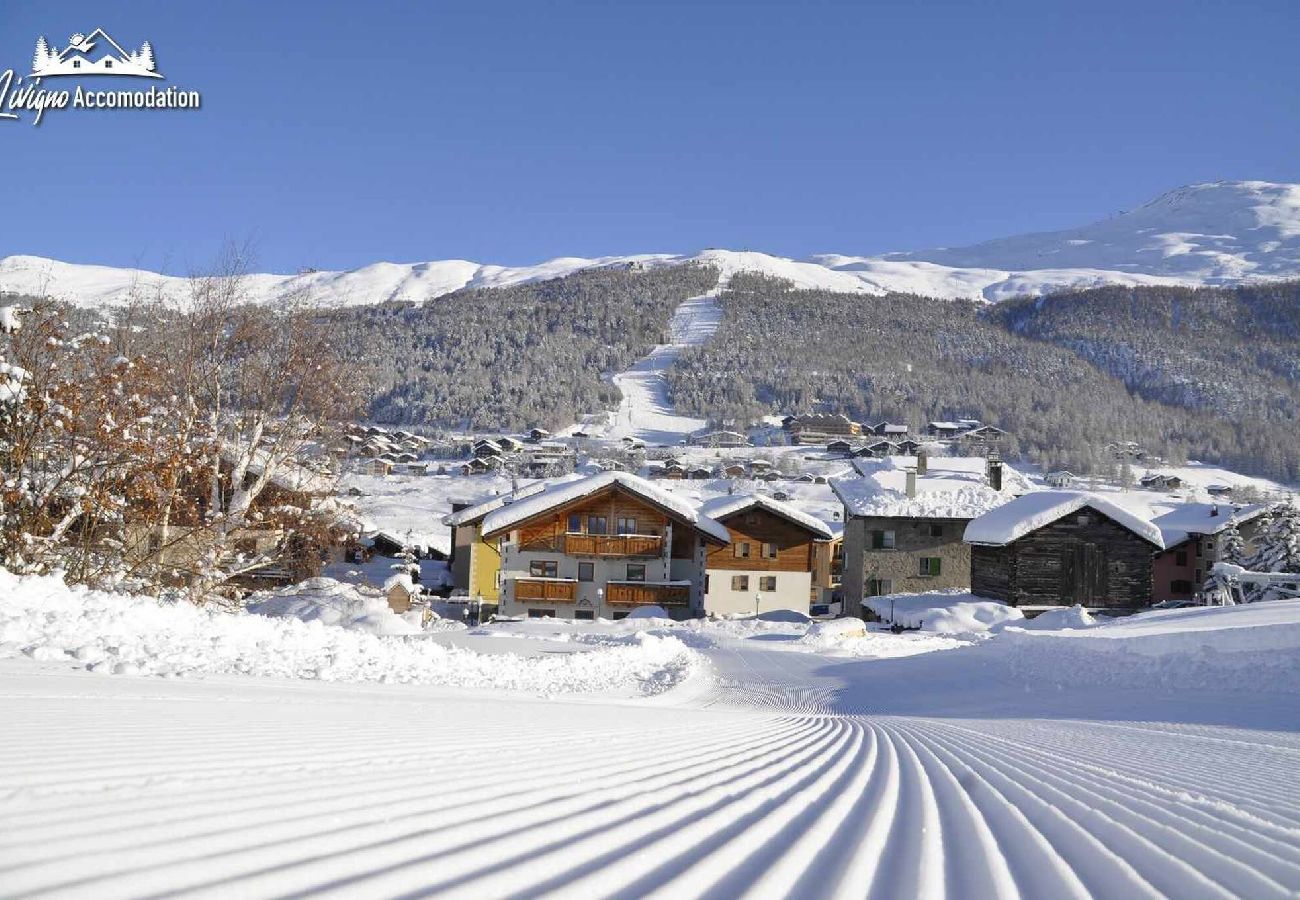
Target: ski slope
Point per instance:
(779, 771)
(645, 411)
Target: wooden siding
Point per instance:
(547, 533)
(625, 593)
(794, 545)
(613, 545)
(1097, 563)
(544, 589)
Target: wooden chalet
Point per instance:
(769, 562)
(1060, 548)
(599, 547)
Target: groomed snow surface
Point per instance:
(1153, 756)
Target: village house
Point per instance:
(983, 439)
(1193, 535)
(600, 547)
(1157, 481)
(475, 563)
(1054, 548)
(828, 567)
(720, 439)
(1060, 479)
(890, 430)
(820, 428)
(943, 430)
(769, 562)
(904, 521)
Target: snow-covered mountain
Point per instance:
(1221, 233)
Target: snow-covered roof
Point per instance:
(482, 508)
(567, 492)
(952, 488)
(721, 507)
(1014, 520)
(1186, 519)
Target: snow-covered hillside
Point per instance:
(1220, 233)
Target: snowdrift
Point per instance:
(42, 618)
(1234, 648)
(331, 602)
(945, 612)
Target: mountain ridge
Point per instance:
(1213, 233)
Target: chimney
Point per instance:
(922, 461)
(995, 474)
(911, 484)
(1214, 510)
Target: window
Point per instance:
(740, 582)
(636, 571)
(1180, 586)
(544, 568)
(706, 584)
(541, 613)
(882, 540)
(626, 525)
(108, 64)
(741, 549)
(929, 566)
(1180, 558)
(597, 525)
(878, 587)
(933, 529)
(767, 582)
(769, 551)
(586, 571)
(76, 64)
(575, 523)
(620, 614)
(584, 615)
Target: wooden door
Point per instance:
(1083, 575)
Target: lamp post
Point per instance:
(758, 602)
(478, 609)
(600, 599)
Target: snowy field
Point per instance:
(1154, 756)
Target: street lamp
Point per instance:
(758, 602)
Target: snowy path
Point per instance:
(793, 774)
(645, 412)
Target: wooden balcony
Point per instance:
(546, 589)
(613, 544)
(638, 593)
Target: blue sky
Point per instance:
(337, 134)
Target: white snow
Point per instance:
(332, 603)
(1218, 233)
(1152, 756)
(953, 487)
(1014, 520)
(298, 637)
(944, 612)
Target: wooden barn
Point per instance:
(1060, 548)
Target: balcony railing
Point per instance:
(636, 593)
(546, 589)
(613, 544)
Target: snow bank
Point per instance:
(944, 612)
(835, 629)
(1254, 647)
(649, 612)
(1059, 619)
(331, 602)
(44, 619)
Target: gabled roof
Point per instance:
(562, 494)
(722, 508)
(1181, 521)
(952, 488)
(1014, 520)
(471, 513)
